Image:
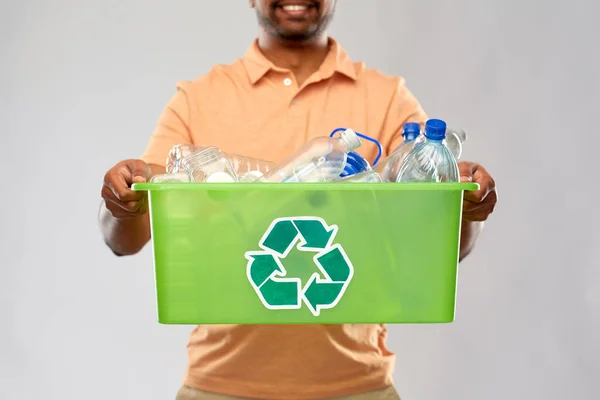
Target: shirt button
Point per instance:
(287, 82)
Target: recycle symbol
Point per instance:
(267, 274)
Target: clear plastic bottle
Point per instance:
(250, 176)
(249, 167)
(241, 165)
(430, 160)
(320, 160)
(366, 176)
(209, 165)
(176, 156)
(173, 177)
(455, 138)
(355, 164)
(388, 169)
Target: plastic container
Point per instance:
(222, 252)
(430, 160)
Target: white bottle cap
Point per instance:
(351, 139)
(221, 177)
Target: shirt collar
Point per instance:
(337, 60)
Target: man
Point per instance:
(293, 84)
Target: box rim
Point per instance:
(329, 186)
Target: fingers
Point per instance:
(466, 170)
(140, 171)
(479, 204)
(119, 183)
(120, 178)
(121, 201)
(478, 174)
(128, 210)
(480, 211)
(128, 207)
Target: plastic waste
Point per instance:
(240, 164)
(430, 160)
(249, 166)
(366, 176)
(176, 156)
(174, 177)
(389, 168)
(455, 138)
(209, 165)
(355, 163)
(250, 176)
(322, 159)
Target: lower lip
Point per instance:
(295, 13)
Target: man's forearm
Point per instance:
(470, 230)
(124, 236)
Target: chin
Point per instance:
(297, 34)
(295, 37)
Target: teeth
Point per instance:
(295, 8)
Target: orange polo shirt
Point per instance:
(254, 108)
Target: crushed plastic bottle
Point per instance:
(249, 166)
(173, 177)
(322, 159)
(389, 168)
(209, 165)
(176, 156)
(430, 160)
(250, 176)
(242, 165)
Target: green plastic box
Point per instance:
(305, 253)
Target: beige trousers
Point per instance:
(188, 393)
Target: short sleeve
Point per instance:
(173, 128)
(404, 107)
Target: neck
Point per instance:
(301, 58)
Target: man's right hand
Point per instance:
(121, 201)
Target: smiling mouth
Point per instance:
(296, 9)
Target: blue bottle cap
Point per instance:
(355, 164)
(435, 129)
(411, 131)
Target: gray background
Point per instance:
(82, 84)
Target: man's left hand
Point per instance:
(477, 205)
